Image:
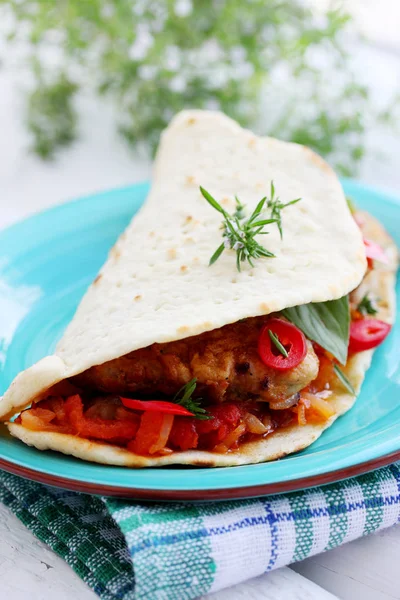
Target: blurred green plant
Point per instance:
(51, 117)
(154, 57)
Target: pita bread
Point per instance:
(157, 285)
(380, 283)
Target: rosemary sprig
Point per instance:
(277, 206)
(278, 345)
(240, 232)
(240, 209)
(343, 379)
(367, 306)
(191, 404)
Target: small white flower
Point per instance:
(142, 44)
(212, 104)
(107, 11)
(320, 20)
(183, 8)
(173, 58)
(218, 78)
(243, 71)
(147, 72)
(178, 84)
(238, 54)
(238, 245)
(233, 225)
(139, 7)
(212, 50)
(227, 244)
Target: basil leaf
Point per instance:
(327, 323)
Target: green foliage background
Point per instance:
(152, 58)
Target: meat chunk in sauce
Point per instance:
(225, 362)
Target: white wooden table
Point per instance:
(366, 568)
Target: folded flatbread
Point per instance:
(158, 315)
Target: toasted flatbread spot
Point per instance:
(318, 160)
(138, 297)
(171, 253)
(183, 330)
(115, 252)
(98, 278)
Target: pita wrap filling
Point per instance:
(204, 341)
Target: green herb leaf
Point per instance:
(239, 212)
(212, 201)
(351, 205)
(275, 340)
(217, 254)
(277, 206)
(327, 323)
(191, 404)
(367, 306)
(342, 377)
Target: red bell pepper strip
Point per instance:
(156, 406)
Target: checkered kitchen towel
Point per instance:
(135, 551)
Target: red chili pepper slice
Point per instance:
(156, 406)
(373, 252)
(367, 333)
(290, 337)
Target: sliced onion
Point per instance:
(231, 439)
(254, 425)
(40, 419)
(310, 397)
(163, 435)
(284, 404)
(319, 405)
(267, 422)
(324, 394)
(36, 418)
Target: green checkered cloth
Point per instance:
(135, 551)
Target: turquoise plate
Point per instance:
(46, 264)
